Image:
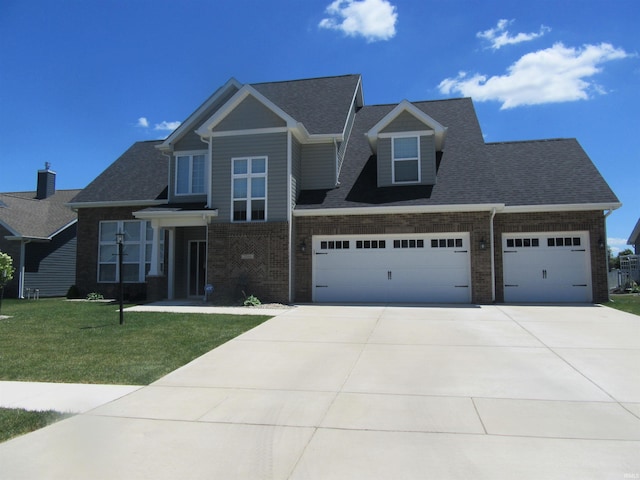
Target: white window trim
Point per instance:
(394, 160)
(191, 154)
(142, 250)
(248, 176)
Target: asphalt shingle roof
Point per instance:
(141, 173)
(33, 218)
(321, 104)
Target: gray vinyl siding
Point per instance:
(51, 267)
(318, 166)
(191, 140)
(296, 170)
(405, 122)
(427, 161)
(274, 147)
(250, 114)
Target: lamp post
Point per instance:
(120, 242)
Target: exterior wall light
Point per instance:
(303, 246)
(600, 243)
(483, 244)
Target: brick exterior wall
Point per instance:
(477, 223)
(591, 221)
(253, 257)
(87, 260)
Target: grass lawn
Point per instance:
(54, 340)
(16, 422)
(627, 303)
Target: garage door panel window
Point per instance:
(408, 243)
(447, 243)
(564, 241)
(369, 244)
(335, 245)
(523, 242)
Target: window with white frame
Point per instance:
(190, 173)
(249, 189)
(405, 152)
(136, 253)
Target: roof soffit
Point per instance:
(406, 106)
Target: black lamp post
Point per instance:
(120, 242)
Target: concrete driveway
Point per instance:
(383, 392)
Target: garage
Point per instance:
(547, 267)
(424, 268)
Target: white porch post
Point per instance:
(154, 270)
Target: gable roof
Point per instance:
(27, 217)
(139, 177)
(635, 234)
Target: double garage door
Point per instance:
(547, 267)
(432, 268)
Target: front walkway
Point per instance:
(322, 392)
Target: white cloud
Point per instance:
(499, 35)
(556, 74)
(167, 126)
(372, 19)
(143, 122)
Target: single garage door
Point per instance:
(547, 267)
(392, 268)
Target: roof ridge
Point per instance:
(305, 79)
(540, 140)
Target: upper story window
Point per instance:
(190, 174)
(405, 152)
(249, 189)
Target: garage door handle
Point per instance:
(322, 286)
(507, 285)
(460, 251)
(580, 285)
(462, 286)
(579, 250)
(510, 251)
(322, 253)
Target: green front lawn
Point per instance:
(54, 340)
(627, 303)
(15, 422)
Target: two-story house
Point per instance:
(298, 191)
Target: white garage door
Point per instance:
(392, 268)
(547, 267)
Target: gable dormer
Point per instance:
(406, 141)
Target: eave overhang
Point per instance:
(183, 218)
(116, 203)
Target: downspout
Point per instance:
(209, 169)
(23, 243)
(493, 261)
(606, 250)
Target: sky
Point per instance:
(82, 80)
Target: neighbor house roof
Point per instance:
(635, 234)
(138, 177)
(27, 217)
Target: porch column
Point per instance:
(154, 270)
(171, 271)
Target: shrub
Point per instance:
(95, 296)
(252, 301)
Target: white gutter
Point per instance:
(569, 207)
(322, 212)
(116, 203)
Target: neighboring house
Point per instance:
(298, 191)
(38, 231)
(634, 238)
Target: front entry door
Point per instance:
(197, 267)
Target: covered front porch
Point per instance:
(178, 258)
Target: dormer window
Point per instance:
(406, 159)
(190, 176)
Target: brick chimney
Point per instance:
(46, 182)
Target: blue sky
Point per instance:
(80, 81)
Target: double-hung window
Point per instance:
(249, 189)
(136, 253)
(405, 152)
(190, 174)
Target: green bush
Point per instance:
(95, 296)
(252, 301)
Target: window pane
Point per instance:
(131, 253)
(149, 232)
(131, 231)
(182, 182)
(240, 210)
(405, 147)
(108, 254)
(130, 273)
(258, 165)
(257, 210)
(240, 167)
(108, 231)
(406, 171)
(258, 187)
(107, 273)
(240, 188)
(197, 184)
